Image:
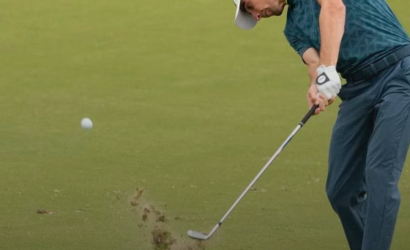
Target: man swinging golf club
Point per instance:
(366, 44)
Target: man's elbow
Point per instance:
(311, 57)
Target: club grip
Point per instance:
(308, 115)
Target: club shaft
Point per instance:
(261, 172)
(298, 127)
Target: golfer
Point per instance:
(366, 44)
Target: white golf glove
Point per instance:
(328, 81)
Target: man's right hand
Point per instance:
(312, 60)
(314, 97)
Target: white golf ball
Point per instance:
(86, 123)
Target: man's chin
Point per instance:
(280, 11)
(279, 14)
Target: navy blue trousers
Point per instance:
(368, 148)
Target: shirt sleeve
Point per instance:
(296, 39)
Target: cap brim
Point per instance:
(244, 20)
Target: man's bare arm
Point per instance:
(332, 25)
(312, 60)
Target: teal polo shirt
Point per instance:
(371, 31)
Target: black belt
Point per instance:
(379, 65)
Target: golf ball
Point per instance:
(86, 123)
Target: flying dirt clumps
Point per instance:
(162, 239)
(155, 224)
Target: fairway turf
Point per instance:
(185, 106)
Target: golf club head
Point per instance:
(197, 235)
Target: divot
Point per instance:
(154, 223)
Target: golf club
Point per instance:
(202, 236)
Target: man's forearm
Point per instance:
(312, 60)
(332, 25)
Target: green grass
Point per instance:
(184, 105)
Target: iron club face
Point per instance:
(197, 235)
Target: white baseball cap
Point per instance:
(243, 19)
